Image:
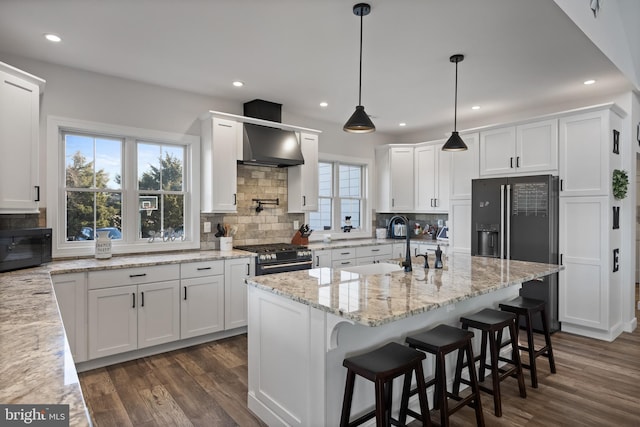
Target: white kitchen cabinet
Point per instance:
(235, 295)
(431, 169)
(343, 257)
(524, 149)
(19, 140)
(303, 179)
(400, 248)
(202, 292)
(221, 139)
(375, 253)
(113, 320)
(464, 166)
(158, 313)
(586, 144)
(321, 258)
(71, 295)
(395, 178)
(460, 226)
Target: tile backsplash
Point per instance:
(272, 225)
(16, 221)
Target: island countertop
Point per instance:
(376, 299)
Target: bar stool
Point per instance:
(528, 307)
(440, 341)
(381, 366)
(492, 323)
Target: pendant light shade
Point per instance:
(359, 122)
(455, 143)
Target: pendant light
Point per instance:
(455, 143)
(359, 122)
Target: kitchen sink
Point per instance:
(378, 268)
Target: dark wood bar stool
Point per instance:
(440, 341)
(527, 308)
(492, 324)
(381, 366)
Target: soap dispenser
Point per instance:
(438, 263)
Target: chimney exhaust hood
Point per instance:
(265, 145)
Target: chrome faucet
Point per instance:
(407, 261)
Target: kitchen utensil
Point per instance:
(220, 232)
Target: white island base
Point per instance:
(296, 377)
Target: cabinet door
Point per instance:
(158, 313)
(583, 292)
(322, 259)
(464, 167)
(202, 306)
(497, 151)
(425, 161)
(303, 179)
(402, 180)
(584, 153)
(460, 226)
(113, 320)
(442, 174)
(19, 128)
(537, 147)
(235, 295)
(71, 295)
(220, 139)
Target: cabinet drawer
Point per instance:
(368, 251)
(343, 263)
(344, 253)
(133, 276)
(201, 269)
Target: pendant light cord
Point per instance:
(455, 102)
(360, 74)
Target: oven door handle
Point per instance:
(289, 264)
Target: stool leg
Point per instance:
(458, 376)
(348, 395)
(475, 389)
(404, 402)
(495, 376)
(513, 331)
(547, 340)
(441, 390)
(532, 351)
(380, 404)
(483, 356)
(422, 396)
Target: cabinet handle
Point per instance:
(393, 202)
(248, 269)
(224, 125)
(518, 161)
(133, 294)
(561, 259)
(235, 199)
(375, 250)
(345, 262)
(138, 275)
(203, 268)
(344, 253)
(511, 162)
(37, 193)
(317, 261)
(142, 299)
(435, 203)
(561, 181)
(304, 200)
(415, 251)
(185, 293)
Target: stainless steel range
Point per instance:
(279, 257)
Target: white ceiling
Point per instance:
(519, 54)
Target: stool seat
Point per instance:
(527, 307)
(442, 338)
(381, 366)
(492, 324)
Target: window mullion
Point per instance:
(129, 191)
(335, 194)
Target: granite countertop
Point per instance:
(373, 300)
(353, 243)
(36, 366)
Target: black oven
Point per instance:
(279, 257)
(24, 248)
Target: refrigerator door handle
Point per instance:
(501, 221)
(507, 213)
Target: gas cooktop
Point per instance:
(271, 247)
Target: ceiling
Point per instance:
(519, 54)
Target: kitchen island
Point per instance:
(303, 324)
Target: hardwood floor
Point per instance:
(596, 384)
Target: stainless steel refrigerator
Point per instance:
(517, 218)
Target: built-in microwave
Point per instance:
(22, 248)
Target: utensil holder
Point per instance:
(226, 243)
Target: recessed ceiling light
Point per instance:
(324, 104)
(402, 124)
(53, 38)
(589, 82)
(238, 83)
(475, 107)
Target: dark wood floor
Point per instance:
(597, 384)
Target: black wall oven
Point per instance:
(24, 248)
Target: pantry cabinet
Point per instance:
(303, 179)
(71, 296)
(201, 298)
(19, 140)
(395, 178)
(235, 291)
(221, 140)
(431, 169)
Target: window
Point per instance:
(139, 186)
(340, 196)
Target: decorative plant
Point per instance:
(620, 184)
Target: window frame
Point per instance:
(366, 227)
(130, 243)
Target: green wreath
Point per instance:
(620, 184)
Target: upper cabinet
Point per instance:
(395, 178)
(431, 168)
(19, 140)
(464, 167)
(303, 179)
(523, 149)
(221, 139)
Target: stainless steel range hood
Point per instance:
(267, 146)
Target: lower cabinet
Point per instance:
(71, 295)
(202, 306)
(322, 258)
(235, 291)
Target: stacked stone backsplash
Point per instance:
(16, 221)
(272, 225)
